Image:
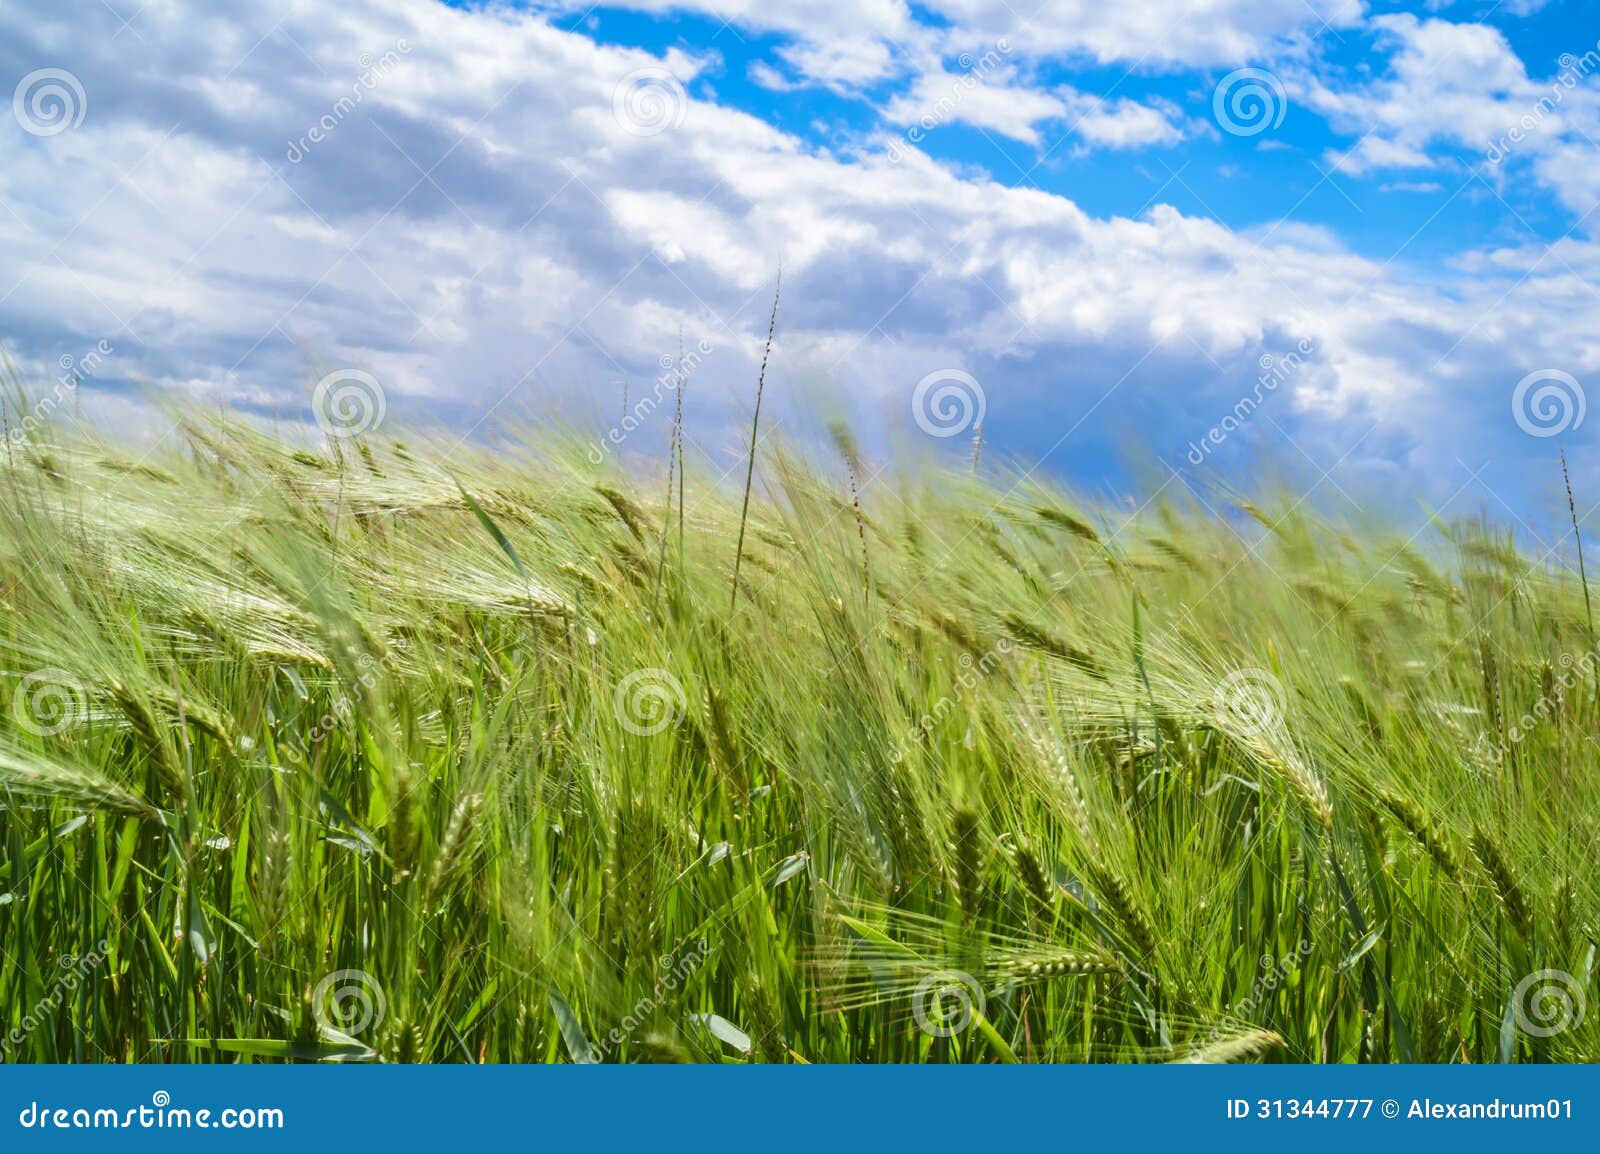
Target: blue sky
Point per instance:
(1203, 172)
(1372, 270)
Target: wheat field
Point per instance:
(398, 749)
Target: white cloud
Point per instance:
(848, 48)
(483, 233)
(1155, 33)
(1460, 91)
(1123, 123)
(985, 101)
(840, 64)
(834, 42)
(992, 94)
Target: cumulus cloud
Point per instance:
(1123, 123)
(850, 48)
(992, 98)
(1155, 32)
(514, 215)
(1458, 92)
